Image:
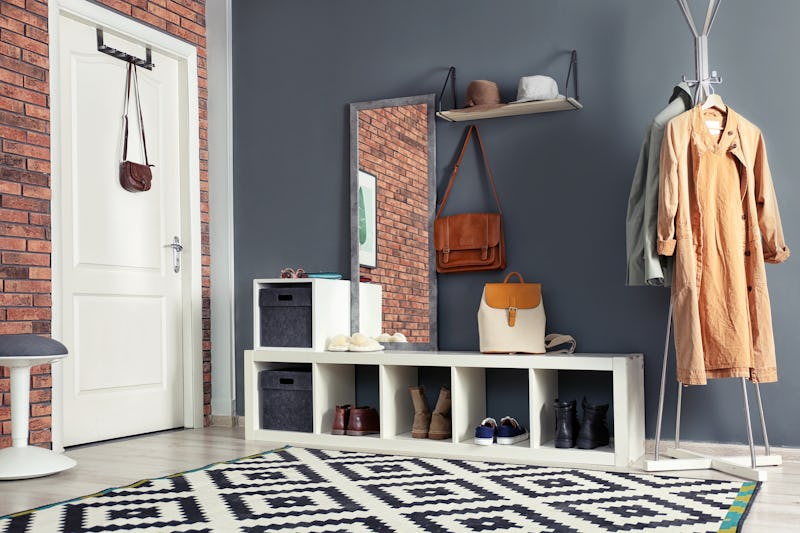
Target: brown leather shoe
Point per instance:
(341, 417)
(363, 421)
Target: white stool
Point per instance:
(21, 461)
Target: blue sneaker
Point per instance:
(510, 432)
(486, 432)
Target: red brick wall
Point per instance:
(393, 146)
(25, 275)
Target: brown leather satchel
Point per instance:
(470, 241)
(134, 177)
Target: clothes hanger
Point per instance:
(714, 100)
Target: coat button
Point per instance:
(730, 133)
(747, 253)
(734, 145)
(744, 217)
(749, 288)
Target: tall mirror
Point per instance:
(393, 198)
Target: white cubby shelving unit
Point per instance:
(333, 383)
(330, 308)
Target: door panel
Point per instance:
(122, 300)
(119, 231)
(122, 319)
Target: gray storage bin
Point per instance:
(285, 316)
(286, 399)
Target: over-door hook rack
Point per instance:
(144, 63)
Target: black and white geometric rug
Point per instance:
(303, 490)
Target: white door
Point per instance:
(121, 298)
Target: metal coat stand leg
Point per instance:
(681, 459)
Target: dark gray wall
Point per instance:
(563, 178)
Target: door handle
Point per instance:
(177, 248)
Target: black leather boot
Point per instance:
(594, 430)
(566, 424)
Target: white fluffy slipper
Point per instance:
(399, 337)
(361, 343)
(384, 337)
(338, 343)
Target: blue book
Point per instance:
(324, 275)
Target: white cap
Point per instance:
(536, 88)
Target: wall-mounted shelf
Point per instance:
(509, 110)
(562, 103)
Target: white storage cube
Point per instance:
(328, 307)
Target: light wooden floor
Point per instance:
(117, 463)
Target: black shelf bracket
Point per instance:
(451, 77)
(144, 63)
(573, 69)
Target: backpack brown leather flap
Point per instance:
(508, 295)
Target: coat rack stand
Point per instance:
(681, 459)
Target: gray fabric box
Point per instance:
(286, 399)
(285, 316)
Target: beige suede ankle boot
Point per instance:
(422, 414)
(441, 422)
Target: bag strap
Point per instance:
(133, 74)
(557, 339)
(519, 277)
(458, 164)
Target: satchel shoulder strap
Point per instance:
(132, 74)
(554, 340)
(458, 164)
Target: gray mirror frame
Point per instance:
(430, 101)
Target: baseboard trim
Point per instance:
(715, 448)
(708, 448)
(225, 421)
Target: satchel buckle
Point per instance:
(484, 252)
(512, 316)
(445, 254)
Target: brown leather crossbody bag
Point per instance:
(470, 241)
(134, 177)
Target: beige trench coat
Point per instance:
(680, 232)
